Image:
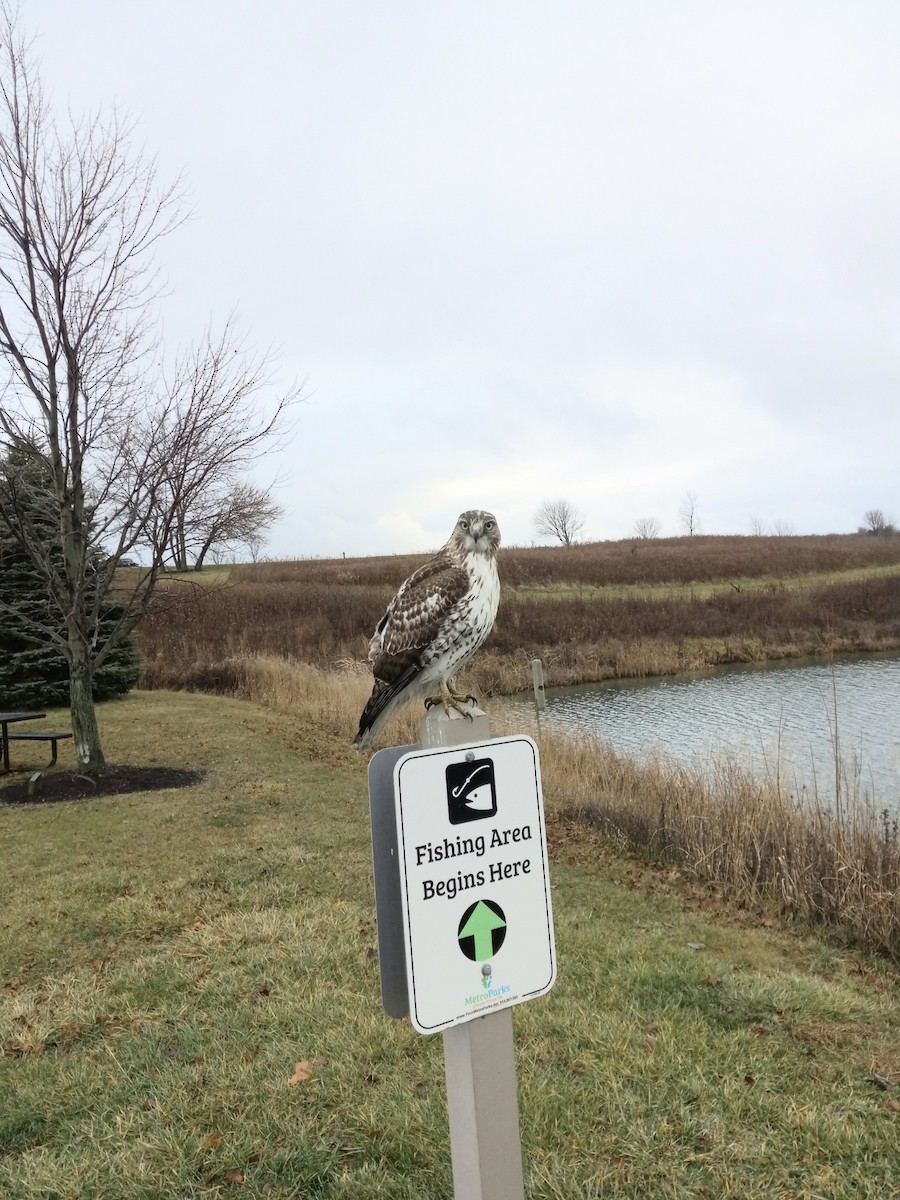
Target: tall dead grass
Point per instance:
(694, 559)
(839, 867)
(323, 621)
(748, 836)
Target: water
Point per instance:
(778, 721)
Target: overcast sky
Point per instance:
(607, 251)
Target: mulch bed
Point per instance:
(84, 785)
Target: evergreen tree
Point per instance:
(33, 668)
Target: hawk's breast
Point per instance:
(471, 619)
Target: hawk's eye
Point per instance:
(489, 524)
(464, 524)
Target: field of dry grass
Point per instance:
(630, 561)
(606, 610)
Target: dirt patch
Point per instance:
(111, 781)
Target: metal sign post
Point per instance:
(464, 922)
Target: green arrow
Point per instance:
(481, 925)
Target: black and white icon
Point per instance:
(471, 794)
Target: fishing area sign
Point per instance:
(462, 889)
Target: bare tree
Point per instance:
(239, 517)
(647, 527)
(559, 519)
(878, 523)
(81, 213)
(687, 514)
(757, 526)
(207, 434)
(782, 528)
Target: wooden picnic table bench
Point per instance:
(45, 735)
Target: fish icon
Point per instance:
(471, 793)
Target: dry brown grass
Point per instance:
(663, 561)
(630, 561)
(840, 868)
(323, 612)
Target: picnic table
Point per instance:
(10, 718)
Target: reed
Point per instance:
(833, 865)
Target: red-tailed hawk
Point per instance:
(435, 623)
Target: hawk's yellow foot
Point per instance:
(452, 699)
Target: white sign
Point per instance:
(477, 920)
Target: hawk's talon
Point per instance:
(448, 699)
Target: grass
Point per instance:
(628, 561)
(702, 589)
(169, 958)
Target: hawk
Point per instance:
(435, 623)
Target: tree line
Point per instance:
(564, 522)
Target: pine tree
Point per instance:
(33, 668)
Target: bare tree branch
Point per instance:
(878, 523)
(687, 514)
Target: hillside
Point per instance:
(601, 610)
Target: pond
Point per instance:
(782, 720)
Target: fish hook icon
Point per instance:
(458, 791)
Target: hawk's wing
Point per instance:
(413, 620)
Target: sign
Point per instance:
(474, 886)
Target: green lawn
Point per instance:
(169, 958)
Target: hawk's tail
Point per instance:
(385, 699)
(382, 702)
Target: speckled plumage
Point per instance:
(435, 623)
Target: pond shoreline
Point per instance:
(567, 665)
(813, 725)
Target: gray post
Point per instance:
(540, 697)
(479, 1055)
(537, 676)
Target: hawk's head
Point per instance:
(477, 532)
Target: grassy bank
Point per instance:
(608, 610)
(169, 959)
